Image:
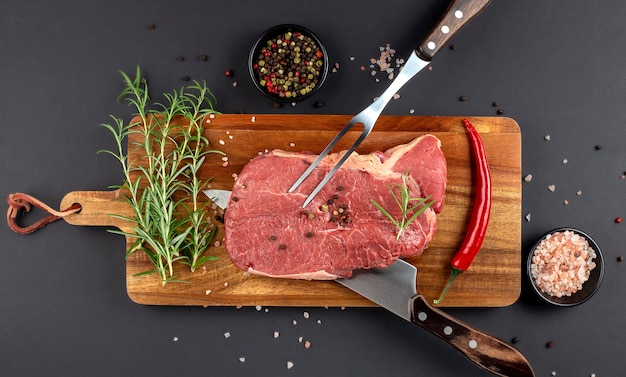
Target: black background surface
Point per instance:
(555, 67)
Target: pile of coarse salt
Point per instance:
(561, 263)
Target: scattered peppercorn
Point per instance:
(150, 26)
(318, 104)
(550, 344)
(500, 112)
(282, 246)
(309, 234)
(234, 199)
(277, 105)
(340, 188)
(620, 258)
(452, 47)
(219, 218)
(203, 57)
(598, 147)
(272, 238)
(495, 104)
(515, 340)
(463, 98)
(185, 78)
(180, 58)
(228, 73)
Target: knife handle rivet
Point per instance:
(458, 14)
(431, 45)
(473, 344)
(422, 316)
(445, 29)
(447, 330)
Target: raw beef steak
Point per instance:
(269, 233)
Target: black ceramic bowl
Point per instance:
(589, 287)
(288, 63)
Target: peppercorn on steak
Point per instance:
(361, 219)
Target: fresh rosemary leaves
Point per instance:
(161, 181)
(410, 207)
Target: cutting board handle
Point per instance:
(97, 208)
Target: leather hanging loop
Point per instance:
(22, 203)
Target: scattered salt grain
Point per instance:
(552, 188)
(566, 202)
(217, 243)
(212, 116)
(300, 339)
(307, 344)
(207, 292)
(305, 315)
(242, 359)
(396, 96)
(221, 142)
(565, 160)
(528, 178)
(226, 335)
(292, 144)
(547, 137)
(294, 322)
(234, 84)
(253, 119)
(528, 217)
(412, 111)
(225, 284)
(352, 58)
(258, 308)
(276, 334)
(289, 364)
(319, 321)
(579, 192)
(175, 339)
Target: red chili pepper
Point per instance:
(481, 211)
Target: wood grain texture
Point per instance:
(493, 280)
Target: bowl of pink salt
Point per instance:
(565, 267)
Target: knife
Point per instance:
(394, 288)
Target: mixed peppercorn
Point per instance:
(289, 65)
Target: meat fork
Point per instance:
(459, 13)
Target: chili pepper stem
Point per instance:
(455, 272)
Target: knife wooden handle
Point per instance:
(459, 13)
(486, 351)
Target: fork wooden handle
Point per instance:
(460, 13)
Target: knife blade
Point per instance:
(395, 289)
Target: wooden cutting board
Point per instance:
(494, 279)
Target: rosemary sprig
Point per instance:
(410, 207)
(166, 227)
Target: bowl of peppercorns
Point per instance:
(288, 63)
